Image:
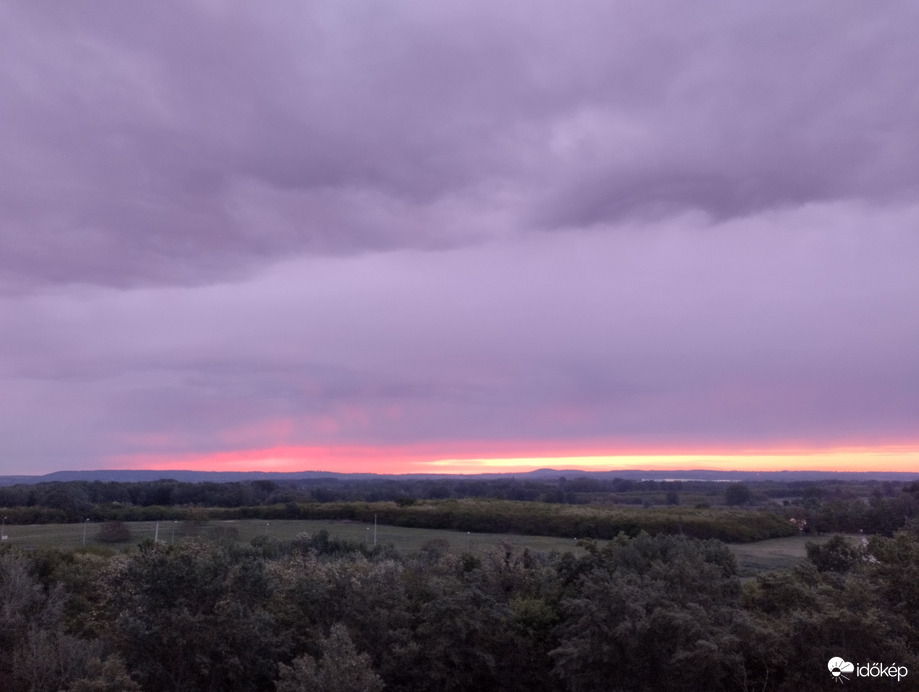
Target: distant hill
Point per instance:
(14, 480)
(713, 475)
(132, 476)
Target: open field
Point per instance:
(752, 558)
(776, 553)
(70, 536)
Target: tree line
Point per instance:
(746, 511)
(77, 496)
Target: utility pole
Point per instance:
(84, 533)
(374, 530)
(3, 535)
(156, 534)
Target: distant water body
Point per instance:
(695, 480)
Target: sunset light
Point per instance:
(409, 461)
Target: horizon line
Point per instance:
(469, 473)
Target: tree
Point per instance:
(36, 651)
(104, 676)
(836, 555)
(341, 668)
(191, 617)
(803, 617)
(737, 494)
(657, 613)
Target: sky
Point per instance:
(459, 236)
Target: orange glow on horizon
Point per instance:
(383, 460)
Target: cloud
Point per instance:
(798, 329)
(187, 143)
(236, 226)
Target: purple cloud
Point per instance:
(229, 225)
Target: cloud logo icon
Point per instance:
(839, 666)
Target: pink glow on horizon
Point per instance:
(422, 460)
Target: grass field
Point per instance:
(775, 553)
(752, 558)
(71, 536)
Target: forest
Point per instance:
(640, 611)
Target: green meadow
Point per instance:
(752, 558)
(71, 536)
(777, 553)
